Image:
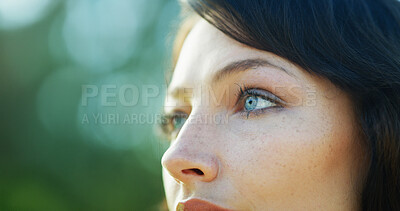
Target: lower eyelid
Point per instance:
(261, 111)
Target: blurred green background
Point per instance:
(70, 73)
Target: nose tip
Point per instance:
(187, 169)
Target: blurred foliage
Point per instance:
(50, 159)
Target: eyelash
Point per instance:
(243, 91)
(246, 91)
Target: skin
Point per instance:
(303, 156)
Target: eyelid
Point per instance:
(264, 94)
(245, 91)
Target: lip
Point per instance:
(197, 205)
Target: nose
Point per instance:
(188, 167)
(189, 158)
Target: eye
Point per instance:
(172, 123)
(256, 102)
(178, 121)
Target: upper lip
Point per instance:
(197, 205)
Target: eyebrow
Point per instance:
(235, 67)
(244, 65)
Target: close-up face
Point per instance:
(253, 131)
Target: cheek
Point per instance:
(286, 154)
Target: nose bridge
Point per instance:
(198, 128)
(191, 156)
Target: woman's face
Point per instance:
(261, 133)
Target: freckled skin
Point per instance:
(303, 157)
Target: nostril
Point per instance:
(193, 171)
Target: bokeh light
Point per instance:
(101, 34)
(15, 14)
(122, 121)
(50, 159)
(57, 99)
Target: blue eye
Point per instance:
(172, 123)
(257, 102)
(178, 121)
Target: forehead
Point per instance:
(206, 50)
(198, 53)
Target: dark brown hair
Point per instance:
(353, 43)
